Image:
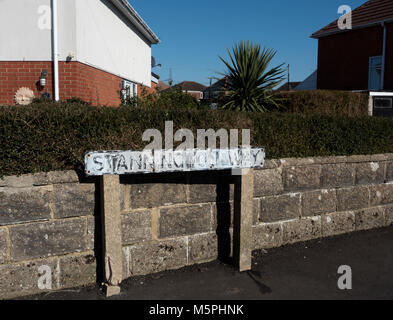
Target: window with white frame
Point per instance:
(129, 89)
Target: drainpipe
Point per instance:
(383, 55)
(55, 50)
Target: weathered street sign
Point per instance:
(100, 163)
(110, 164)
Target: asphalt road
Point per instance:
(301, 271)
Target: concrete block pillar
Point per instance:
(112, 242)
(243, 219)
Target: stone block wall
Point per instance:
(170, 221)
(46, 219)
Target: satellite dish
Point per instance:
(154, 63)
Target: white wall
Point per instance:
(23, 32)
(111, 44)
(88, 29)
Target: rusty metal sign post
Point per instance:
(111, 164)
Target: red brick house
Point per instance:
(192, 88)
(360, 58)
(91, 49)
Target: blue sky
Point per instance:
(194, 33)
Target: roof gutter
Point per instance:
(129, 12)
(55, 51)
(362, 26)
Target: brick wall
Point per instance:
(170, 221)
(75, 80)
(14, 75)
(143, 90)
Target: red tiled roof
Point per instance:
(162, 86)
(371, 12)
(191, 86)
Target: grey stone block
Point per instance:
(202, 248)
(256, 211)
(156, 195)
(358, 158)
(282, 207)
(271, 164)
(202, 193)
(389, 171)
(352, 198)
(23, 205)
(338, 223)
(267, 235)
(185, 220)
(4, 245)
(381, 194)
(153, 257)
(136, 226)
(21, 279)
(330, 160)
(380, 157)
(91, 227)
(55, 177)
(73, 200)
(389, 215)
(47, 239)
(124, 193)
(268, 182)
(370, 173)
(297, 178)
(78, 270)
(370, 218)
(126, 262)
(302, 230)
(338, 175)
(318, 202)
(294, 162)
(23, 181)
(389, 156)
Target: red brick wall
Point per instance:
(343, 59)
(91, 84)
(14, 75)
(76, 80)
(143, 90)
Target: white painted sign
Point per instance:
(100, 163)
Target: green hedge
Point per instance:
(45, 137)
(340, 103)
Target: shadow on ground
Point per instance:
(301, 271)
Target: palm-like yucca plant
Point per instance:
(249, 82)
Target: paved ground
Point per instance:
(301, 271)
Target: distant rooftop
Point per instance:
(162, 86)
(191, 86)
(290, 87)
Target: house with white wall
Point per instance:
(88, 49)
